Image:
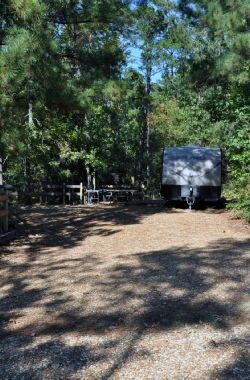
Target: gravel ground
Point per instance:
(135, 292)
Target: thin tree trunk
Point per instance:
(1, 171)
(148, 129)
(27, 161)
(141, 153)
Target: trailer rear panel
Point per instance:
(191, 168)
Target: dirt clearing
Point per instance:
(116, 292)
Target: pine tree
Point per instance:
(152, 24)
(53, 52)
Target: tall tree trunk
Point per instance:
(27, 160)
(141, 152)
(1, 171)
(148, 128)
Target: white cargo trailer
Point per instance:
(191, 173)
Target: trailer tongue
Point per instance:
(191, 173)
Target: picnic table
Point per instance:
(121, 195)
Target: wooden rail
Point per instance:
(71, 193)
(44, 192)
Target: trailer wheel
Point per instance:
(220, 203)
(201, 204)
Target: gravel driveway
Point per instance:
(125, 292)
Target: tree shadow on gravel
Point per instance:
(49, 360)
(58, 226)
(239, 369)
(156, 291)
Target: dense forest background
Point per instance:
(107, 84)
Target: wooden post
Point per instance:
(6, 224)
(85, 196)
(69, 195)
(64, 193)
(94, 181)
(81, 192)
(4, 212)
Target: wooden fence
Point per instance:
(70, 194)
(44, 193)
(4, 212)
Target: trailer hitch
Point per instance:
(190, 199)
